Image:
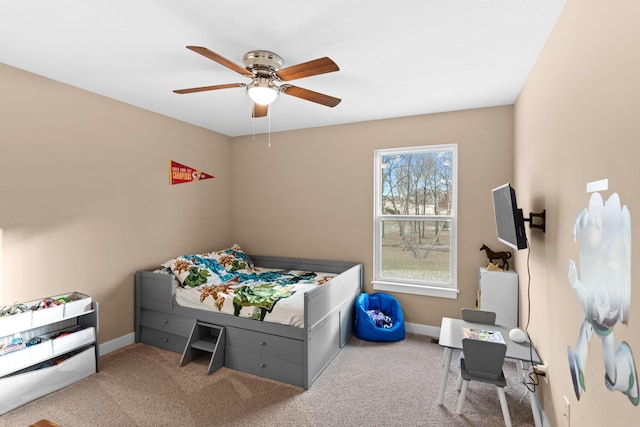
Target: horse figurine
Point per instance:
(504, 256)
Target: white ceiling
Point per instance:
(396, 58)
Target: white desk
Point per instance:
(451, 338)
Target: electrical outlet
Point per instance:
(542, 371)
(566, 414)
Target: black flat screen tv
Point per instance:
(509, 219)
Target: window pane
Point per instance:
(416, 250)
(417, 183)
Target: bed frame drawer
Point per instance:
(264, 366)
(287, 349)
(166, 322)
(163, 339)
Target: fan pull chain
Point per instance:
(253, 121)
(269, 118)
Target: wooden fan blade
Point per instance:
(220, 60)
(310, 95)
(205, 88)
(259, 110)
(306, 69)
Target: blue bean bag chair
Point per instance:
(379, 317)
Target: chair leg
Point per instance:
(505, 408)
(462, 397)
(521, 371)
(459, 381)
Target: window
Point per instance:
(415, 220)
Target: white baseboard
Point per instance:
(116, 344)
(416, 328)
(125, 340)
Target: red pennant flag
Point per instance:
(179, 174)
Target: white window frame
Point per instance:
(436, 289)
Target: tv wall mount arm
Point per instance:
(541, 223)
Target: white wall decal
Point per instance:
(602, 284)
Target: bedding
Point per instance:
(227, 281)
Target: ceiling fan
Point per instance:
(263, 68)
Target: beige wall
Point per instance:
(85, 199)
(576, 121)
(311, 193)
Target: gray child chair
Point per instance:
(476, 316)
(482, 361)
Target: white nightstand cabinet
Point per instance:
(499, 293)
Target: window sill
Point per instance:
(430, 291)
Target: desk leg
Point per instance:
(523, 368)
(445, 373)
(534, 409)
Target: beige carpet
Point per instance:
(371, 384)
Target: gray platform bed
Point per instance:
(284, 353)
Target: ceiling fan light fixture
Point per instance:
(264, 69)
(262, 91)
